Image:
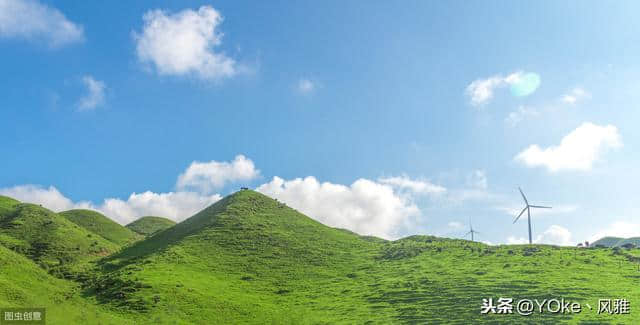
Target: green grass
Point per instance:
(101, 225)
(251, 259)
(25, 284)
(50, 240)
(150, 225)
(617, 241)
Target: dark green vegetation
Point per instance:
(96, 222)
(617, 241)
(149, 225)
(250, 259)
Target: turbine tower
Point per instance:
(471, 231)
(528, 209)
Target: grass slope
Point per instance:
(25, 284)
(50, 240)
(101, 225)
(150, 225)
(250, 259)
(616, 241)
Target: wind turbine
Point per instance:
(471, 231)
(528, 209)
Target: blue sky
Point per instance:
(386, 118)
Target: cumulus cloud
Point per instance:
(575, 95)
(184, 43)
(624, 229)
(520, 114)
(577, 151)
(481, 91)
(95, 94)
(208, 176)
(554, 235)
(194, 192)
(455, 225)
(173, 205)
(366, 207)
(415, 186)
(49, 197)
(478, 179)
(306, 86)
(29, 19)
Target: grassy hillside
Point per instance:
(7, 204)
(149, 225)
(633, 240)
(250, 259)
(50, 240)
(101, 225)
(25, 284)
(616, 241)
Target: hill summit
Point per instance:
(150, 225)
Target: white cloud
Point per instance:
(416, 186)
(29, 19)
(173, 205)
(183, 43)
(624, 229)
(455, 225)
(517, 116)
(366, 207)
(577, 151)
(193, 193)
(95, 94)
(478, 179)
(306, 86)
(208, 176)
(481, 91)
(575, 95)
(554, 235)
(49, 197)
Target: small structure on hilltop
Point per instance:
(580, 245)
(244, 188)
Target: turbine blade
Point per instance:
(523, 197)
(477, 232)
(467, 233)
(521, 212)
(540, 206)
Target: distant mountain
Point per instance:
(150, 225)
(101, 225)
(616, 241)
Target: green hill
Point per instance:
(25, 284)
(149, 225)
(101, 225)
(632, 240)
(49, 239)
(250, 259)
(616, 241)
(7, 204)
